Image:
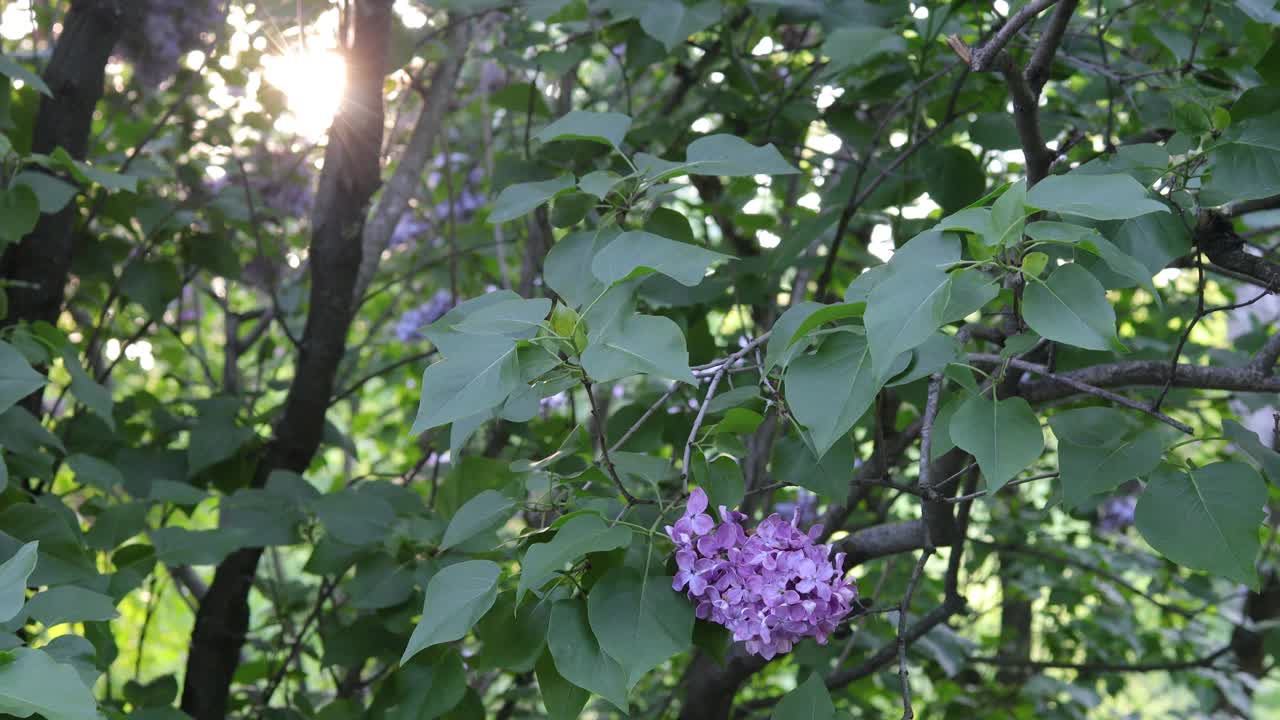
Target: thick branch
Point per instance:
(1038, 68)
(985, 57)
(1150, 373)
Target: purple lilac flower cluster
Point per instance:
(409, 326)
(1115, 514)
(170, 29)
(771, 588)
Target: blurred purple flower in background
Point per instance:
(410, 325)
(169, 30)
(1115, 514)
(771, 588)
(804, 508)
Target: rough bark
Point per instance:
(39, 264)
(349, 179)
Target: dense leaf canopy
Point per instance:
(404, 359)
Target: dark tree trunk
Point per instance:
(349, 179)
(39, 264)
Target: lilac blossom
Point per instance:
(771, 588)
(410, 325)
(1115, 514)
(168, 30)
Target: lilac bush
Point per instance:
(169, 30)
(771, 588)
(409, 326)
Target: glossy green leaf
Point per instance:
(512, 638)
(723, 481)
(94, 396)
(1088, 470)
(782, 346)
(567, 268)
(1071, 307)
(69, 603)
(1205, 519)
(1008, 216)
(52, 193)
(456, 597)
(907, 306)
(1004, 436)
(1245, 162)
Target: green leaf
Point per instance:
(578, 656)
(95, 472)
(16, 71)
(1155, 240)
(1267, 460)
(522, 198)
(118, 523)
(639, 620)
(481, 514)
(930, 357)
(850, 47)
(354, 517)
(456, 598)
(180, 546)
(1004, 436)
(32, 682)
(826, 314)
(1071, 307)
(17, 379)
(152, 284)
(512, 318)
(830, 390)
(639, 344)
(86, 173)
(13, 580)
(1088, 470)
(906, 308)
(1091, 240)
(70, 603)
(217, 436)
(731, 156)
(809, 701)
(423, 690)
(782, 346)
(1245, 164)
(1205, 519)
(581, 535)
(513, 638)
(1101, 197)
(52, 193)
(603, 127)
(637, 251)
(567, 268)
(599, 183)
(671, 22)
(1145, 162)
(1008, 216)
(19, 213)
(828, 478)
(722, 479)
(563, 699)
(382, 581)
(476, 377)
(955, 179)
(1097, 427)
(94, 396)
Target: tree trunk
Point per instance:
(350, 177)
(38, 265)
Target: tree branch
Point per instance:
(986, 57)
(1149, 373)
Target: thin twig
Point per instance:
(604, 448)
(643, 418)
